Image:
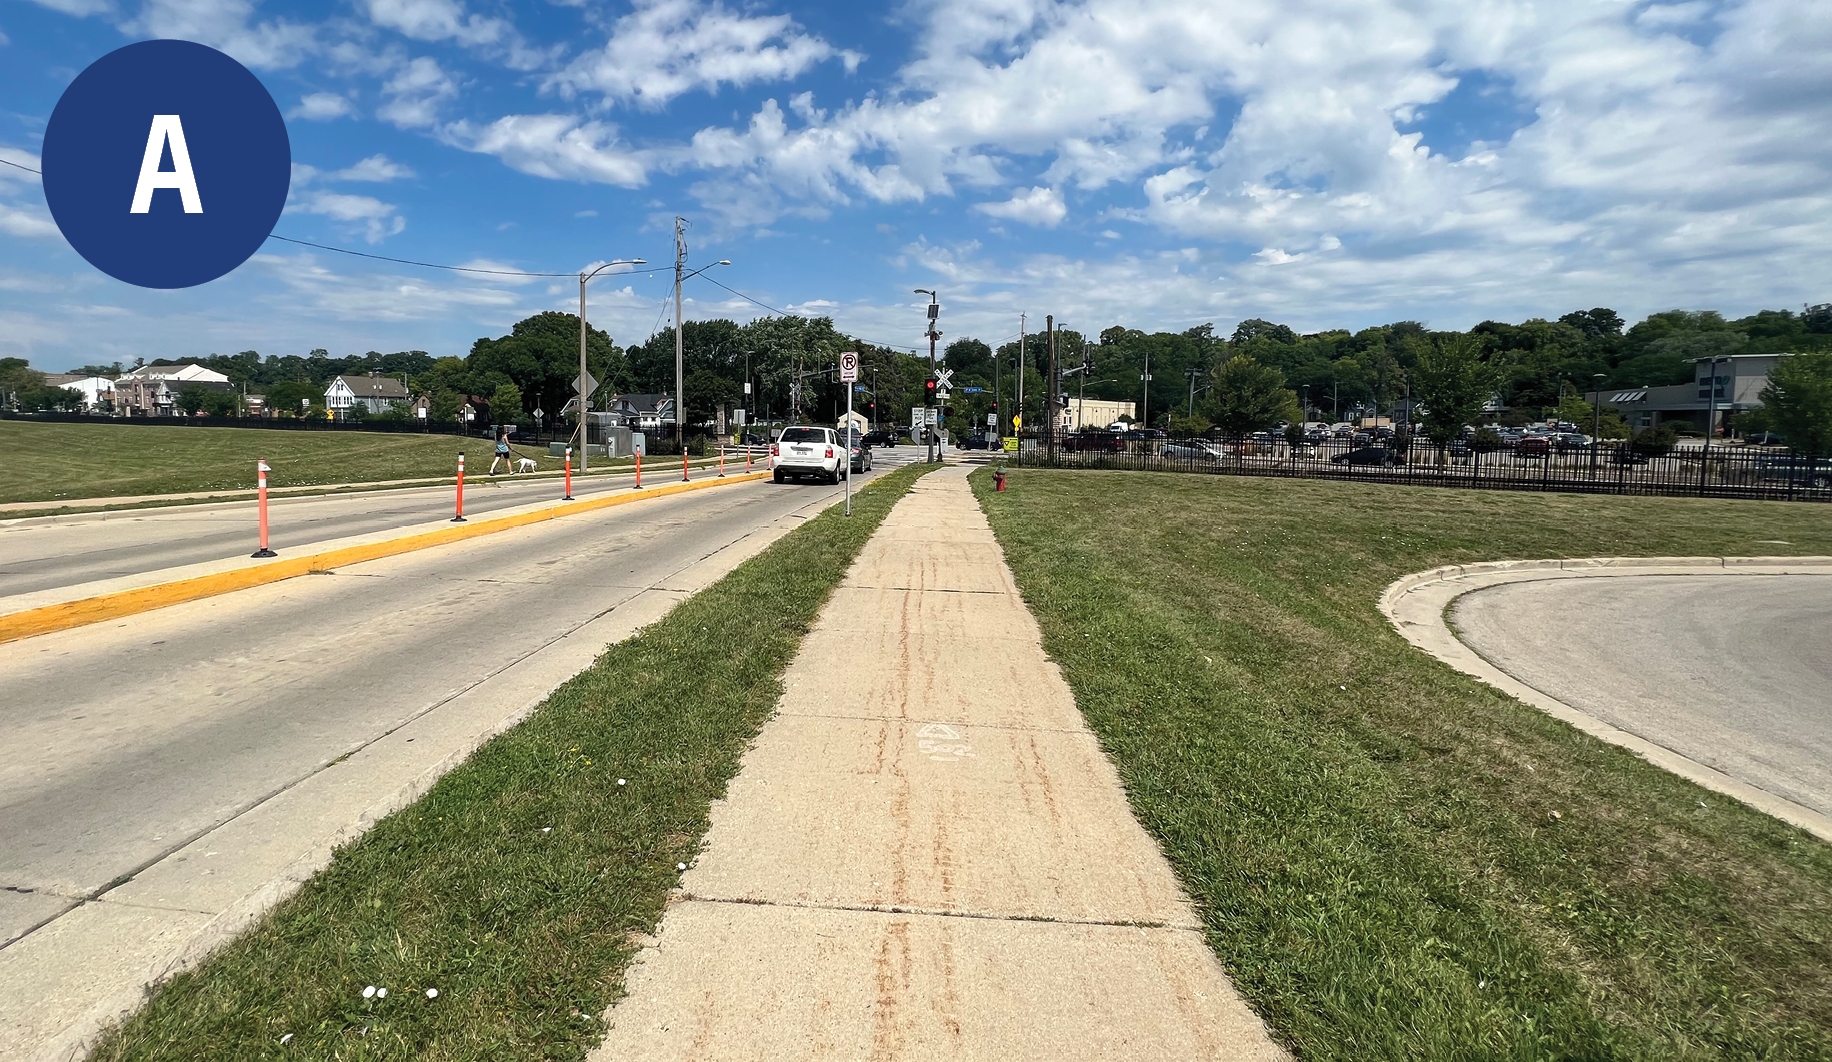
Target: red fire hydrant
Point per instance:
(998, 478)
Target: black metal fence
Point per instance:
(1725, 471)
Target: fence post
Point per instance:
(568, 496)
(459, 519)
(261, 470)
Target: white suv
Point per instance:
(809, 451)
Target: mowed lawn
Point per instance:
(53, 461)
(1392, 860)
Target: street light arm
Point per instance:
(583, 277)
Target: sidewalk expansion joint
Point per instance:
(928, 589)
(983, 916)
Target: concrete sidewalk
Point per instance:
(926, 854)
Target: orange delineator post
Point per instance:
(683, 462)
(459, 519)
(569, 496)
(721, 462)
(638, 471)
(260, 471)
(747, 460)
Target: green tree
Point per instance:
(506, 403)
(1245, 396)
(208, 401)
(1798, 398)
(284, 398)
(968, 358)
(1450, 383)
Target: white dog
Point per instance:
(524, 464)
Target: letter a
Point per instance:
(166, 127)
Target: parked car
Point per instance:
(807, 451)
(1567, 442)
(1192, 450)
(1367, 455)
(1091, 441)
(979, 440)
(1534, 446)
(881, 437)
(1798, 470)
(1765, 438)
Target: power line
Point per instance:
(437, 265)
(16, 166)
(791, 313)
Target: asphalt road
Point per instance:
(128, 739)
(47, 553)
(1734, 672)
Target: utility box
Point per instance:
(639, 443)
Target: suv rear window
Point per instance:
(803, 435)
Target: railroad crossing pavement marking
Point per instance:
(927, 854)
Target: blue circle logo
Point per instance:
(166, 164)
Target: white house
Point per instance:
(98, 391)
(150, 390)
(373, 392)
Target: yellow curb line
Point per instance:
(68, 614)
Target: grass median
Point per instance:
(518, 886)
(1392, 860)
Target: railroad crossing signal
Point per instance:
(944, 379)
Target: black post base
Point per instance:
(263, 553)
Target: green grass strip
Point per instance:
(519, 885)
(1368, 834)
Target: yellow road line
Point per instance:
(48, 618)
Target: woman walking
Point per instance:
(502, 451)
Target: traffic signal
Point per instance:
(928, 392)
(947, 411)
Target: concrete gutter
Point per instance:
(66, 607)
(1417, 605)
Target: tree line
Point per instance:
(1200, 380)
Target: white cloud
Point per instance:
(559, 146)
(78, 8)
(228, 26)
(378, 220)
(375, 168)
(443, 20)
(322, 107)
(415, 94)
(17, 221)
(665, 48)
(585, 213)
(1033, 206)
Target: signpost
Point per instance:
(585, 385)
(849, 373)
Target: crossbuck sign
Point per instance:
(944, 379)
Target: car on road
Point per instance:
(808, 451)
(881, 437)
(979, 440)
(1796, 470)
(860, 450)
(1367, 455)
(1765, 438)
(1092, 441)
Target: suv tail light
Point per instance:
(829, 451)
(775, 450)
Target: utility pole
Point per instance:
(998, 427)
(934, 334)
(1049, 397)
(874, 399)
(1145, 378)
(1081, 403)
(1192, 374)
(680, 388)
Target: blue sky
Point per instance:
(1151, 163)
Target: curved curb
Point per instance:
(64, 615)
(1416, 605)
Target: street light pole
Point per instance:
(1704, 461)
(1019, 430)
(584, 398)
